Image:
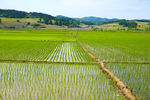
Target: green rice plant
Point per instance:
(54, 81)
(69, 52)
(26, 50)
(117, 46)
(136, 76)
(43, 51)
(47, 35)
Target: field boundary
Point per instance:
(47, 62)
(42, 40)
(127, 62)
(122, 87)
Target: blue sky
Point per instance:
(128, 9)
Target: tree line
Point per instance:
(129, 24)
(125, 23)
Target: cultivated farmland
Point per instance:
(51, 35)
(54, 81)
(134, 75)
(52, 64)
(43, 51)
(117, 46)
(126, 54)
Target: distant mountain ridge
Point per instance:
(91, 19)
(98, 19)
(64, 17)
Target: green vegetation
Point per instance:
(28, 23)
(12, 22)
(98, 20)
(110, 27)
(129, 24)
(25, 20)
(117, 46)
(27, 50)
(51, 81)
(136, 76)
(0, 20)
(123, 46)
(51, 20)
(13, 19)
(43, 51)
(42, 18)
(41, 45)
(141, 26)
(50, 35)
(71, 81)
(18, 21)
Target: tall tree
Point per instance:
(0, 21)
(50, 22)
(18, 20)
(28, 23)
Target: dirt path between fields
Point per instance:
(127, 62)
(122, 87)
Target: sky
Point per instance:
(123, 9)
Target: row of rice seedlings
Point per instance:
(54, 81)
(136, 76)
(27, 50)
(43, 50)
(69, 52)
(117, 46)
(117, 53)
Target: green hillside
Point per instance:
(26, 23)
(43, 18)
(115, 26)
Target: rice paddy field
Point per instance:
(47, 35)
(135, 75)
(122, 53)
(117, 46)
(82, 79)
(54, 81)
(43, 51)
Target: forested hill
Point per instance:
(22, 14)
(43, 18)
